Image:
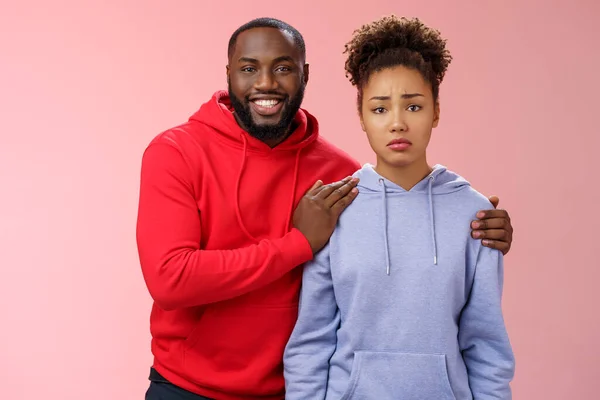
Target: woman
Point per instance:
(402, 303)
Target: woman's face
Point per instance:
(398, 114)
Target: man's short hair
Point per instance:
(268, 23)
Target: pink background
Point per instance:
(85, 86)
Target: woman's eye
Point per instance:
(414, 108)
(379, 110)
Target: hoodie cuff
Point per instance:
(299, 251)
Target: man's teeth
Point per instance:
(266, 103)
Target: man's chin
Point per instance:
(267, 131)
(266, 120)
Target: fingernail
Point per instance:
(485, 242)
(354, 190)
(480, 214)
(477, 234)
(476, 225)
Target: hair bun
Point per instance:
(396, 35)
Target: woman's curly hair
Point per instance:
(392, 41)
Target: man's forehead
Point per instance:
(258, 42)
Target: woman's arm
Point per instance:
(482, 335)
(313, 341)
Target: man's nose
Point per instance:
(265, 81)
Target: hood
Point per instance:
(439, 181)
(217, 114)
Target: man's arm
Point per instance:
(483, 338)
(313, 341)
(493, 227)
(179, 274)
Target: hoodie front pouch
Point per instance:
(406, 376)
(231, 346)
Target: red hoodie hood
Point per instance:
(217, 114)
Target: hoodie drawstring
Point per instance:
(432, 221)
(237, 192)
(294, 183)
(385, 227)
(385, 223)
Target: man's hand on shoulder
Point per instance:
(319, 210)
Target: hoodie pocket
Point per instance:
(239, 347)
(406, 376)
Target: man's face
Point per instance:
(266, 75)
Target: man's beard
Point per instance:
(267, 132)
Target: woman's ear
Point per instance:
(436, 114)
(360, 113)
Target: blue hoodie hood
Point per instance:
(439, 181)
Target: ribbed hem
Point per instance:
(202, 391)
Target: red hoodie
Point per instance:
(218, 250)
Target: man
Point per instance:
(229, 209)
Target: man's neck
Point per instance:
(272, 143)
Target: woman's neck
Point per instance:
(406, 176)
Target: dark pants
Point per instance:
(162, 389)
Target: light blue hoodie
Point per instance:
(402, 303)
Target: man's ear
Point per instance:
(306, 73)
(436, 114)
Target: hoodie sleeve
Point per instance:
(313, 340)
(177, 272)
(483, 337)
